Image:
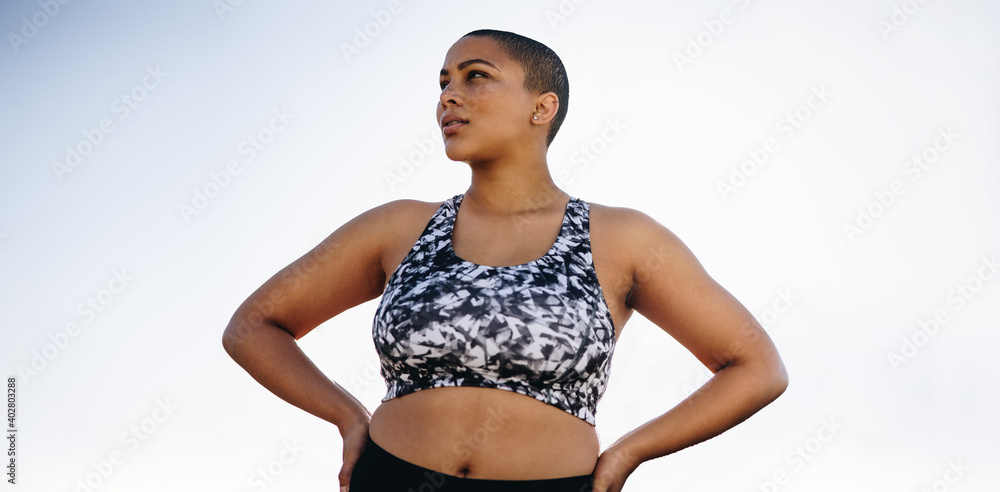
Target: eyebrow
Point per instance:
(470, 62)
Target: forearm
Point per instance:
(272, 357)
(731, 396)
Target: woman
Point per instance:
(500, 310)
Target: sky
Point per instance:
(833, 165)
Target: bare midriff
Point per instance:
(485, 433)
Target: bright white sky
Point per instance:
(777, 239)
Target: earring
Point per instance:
(534, 117)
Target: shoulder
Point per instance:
(631, 216)
(398, 225)
(627, 224)
(399, 215)
(382, 228)
(637, 241)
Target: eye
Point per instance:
(472, 74)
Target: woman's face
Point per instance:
(485, 89)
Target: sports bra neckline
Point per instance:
(552, 251)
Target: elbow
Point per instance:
(230, 340)
(770, 378)
(237, 334)
(772, 374)
(247, 331)
(778, 381)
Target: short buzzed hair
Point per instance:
(543, 70)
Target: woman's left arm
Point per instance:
(671, 289)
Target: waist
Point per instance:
(485, 433)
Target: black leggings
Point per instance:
(379, 471)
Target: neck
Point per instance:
(513, 187)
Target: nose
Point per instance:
(449, 96)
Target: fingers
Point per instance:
(607, 487)
(346, 471)
(602, 486)
(611, 472)
(351, 456)
(602, 480)
(345, 476)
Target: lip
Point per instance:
(451, 129)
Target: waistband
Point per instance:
(545, 484)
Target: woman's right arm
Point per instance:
(344, 270)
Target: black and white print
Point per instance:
(541, 329)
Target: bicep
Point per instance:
(672, 289)
(343, 271)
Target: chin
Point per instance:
(471, 151)
(458, 152)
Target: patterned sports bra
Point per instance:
(541, 329)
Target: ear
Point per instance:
(546, 107)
